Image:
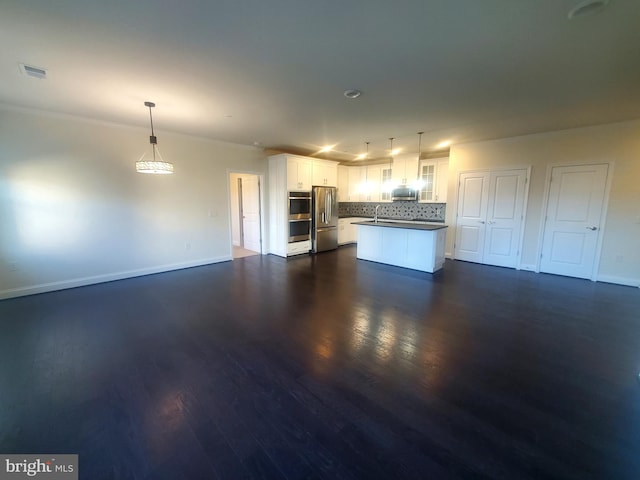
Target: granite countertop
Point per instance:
(399, 224)
(396, 219)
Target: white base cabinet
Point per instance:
(298, 248)
(403, 247)
(347, 230)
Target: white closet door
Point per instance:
(490, 216)
(504, 217)
(471, 221)
(572, 226)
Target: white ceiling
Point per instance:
(274, 71)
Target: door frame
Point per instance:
(525, 204)
(261, 185)
(603, 214)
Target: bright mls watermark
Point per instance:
(50, 467)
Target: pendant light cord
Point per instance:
(151, 121)
(152, 139)
(419, 152)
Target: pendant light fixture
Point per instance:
(155, 164)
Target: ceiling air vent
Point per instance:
(32, 71)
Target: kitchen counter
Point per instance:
(391, 219)
(401, 224)
(418, 246)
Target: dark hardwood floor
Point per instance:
(327, 367)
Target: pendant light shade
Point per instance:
(154, 164)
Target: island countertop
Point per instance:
(399, 224)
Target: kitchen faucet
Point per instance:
(375, 217)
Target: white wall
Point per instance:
(74, 211)
(617, 143)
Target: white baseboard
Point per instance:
(629, 282)
(109, 277)
(448, 255)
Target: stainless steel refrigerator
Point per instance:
(324, 221)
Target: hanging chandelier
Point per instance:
(155, 164)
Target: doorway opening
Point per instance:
(246, 217)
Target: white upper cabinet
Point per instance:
(324, 173)
(433, 180)
(298, 173)
(371, 185)
(357, 178)
(442, 180)
(405, 169)
(386, 182)
(343, 183)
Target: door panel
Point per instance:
(500, 242)
(469, 240)
(506, 188)
(572, 225)
(567, 248)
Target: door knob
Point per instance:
(481, 221)
(592, 228)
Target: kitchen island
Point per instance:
(418, 246)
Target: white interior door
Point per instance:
(504, 217)
(251, 212)
(572, 224)
(490, 216)
(473, 195)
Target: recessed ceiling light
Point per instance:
(587, 7)
(352, 93)
(444, 144)
(362, 156)
(36, 72)
(326, 148)
(396, 151)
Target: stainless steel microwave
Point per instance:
(405, 193)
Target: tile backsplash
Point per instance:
(400, 210)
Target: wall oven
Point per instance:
(299, 216)
(299, 205)
(299, 230)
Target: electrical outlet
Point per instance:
(619, 258)
(13, 266)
